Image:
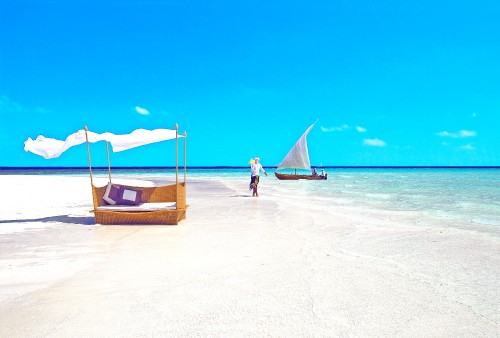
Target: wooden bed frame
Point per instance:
(168, 193)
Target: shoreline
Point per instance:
(275, 265)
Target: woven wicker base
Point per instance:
(167, 193)
(163, 217)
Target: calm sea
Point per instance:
(464, 195)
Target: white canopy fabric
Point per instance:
(52, 148)
(298, 156)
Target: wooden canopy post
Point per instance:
(88, 154)
(185, 136)
(109, 163)
(90, 163)
(177, 166)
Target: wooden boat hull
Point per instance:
(299, 177)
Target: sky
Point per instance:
(391, 83)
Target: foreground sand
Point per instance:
(238, 266)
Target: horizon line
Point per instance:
(245, 167)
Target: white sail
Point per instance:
(298, 156)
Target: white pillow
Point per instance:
(127, 196)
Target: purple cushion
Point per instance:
(111, 194)
(128, 196)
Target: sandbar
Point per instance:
(276, 266)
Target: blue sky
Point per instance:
(391, 82)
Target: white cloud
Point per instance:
(467, 147)
(444, 134)
(460, 134)
(467, 133)
(374, 142)
(10, 107)
(142, 111)
(42, 111)
(361, 129)
(332, 129)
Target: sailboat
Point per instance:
(298, 158)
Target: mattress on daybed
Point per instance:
(141, 207)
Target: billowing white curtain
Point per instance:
(52, 148)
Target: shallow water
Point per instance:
(468, 196)
(461, 195)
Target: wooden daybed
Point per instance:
(163, 205)
(162, 213)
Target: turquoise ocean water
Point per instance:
(468, 196)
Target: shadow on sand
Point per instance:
(61, 218)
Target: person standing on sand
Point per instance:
(256, 169)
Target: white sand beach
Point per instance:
(237, 266)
